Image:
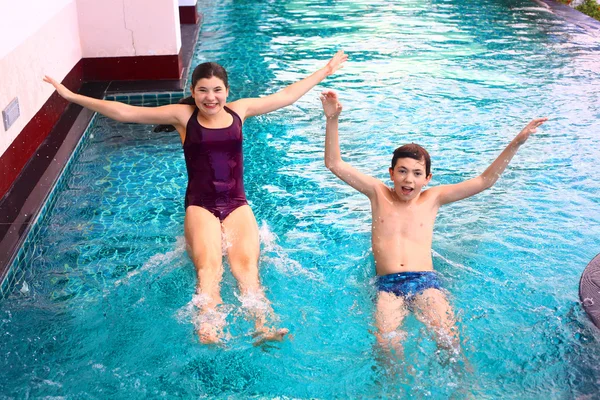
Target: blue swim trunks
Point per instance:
(408, 284)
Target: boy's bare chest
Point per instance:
(414, 220)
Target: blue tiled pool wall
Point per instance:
(17, 271)
(147, 99)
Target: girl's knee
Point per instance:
(390, 335)
(245, 267)
(244, 263)
(207, 264)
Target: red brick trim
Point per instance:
(33, 134)
(133, 68)
(188, 15)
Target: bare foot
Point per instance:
(269, 335)
(208, 334)
(209, 325)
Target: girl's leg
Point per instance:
(243, 248)
(203, 237)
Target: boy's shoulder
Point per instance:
(382, 189)
(431, 193)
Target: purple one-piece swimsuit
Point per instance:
(215, 166)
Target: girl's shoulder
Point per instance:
(239, 108)
(183, 111)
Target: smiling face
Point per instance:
(210, 95)
(409, 177)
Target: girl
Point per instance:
(215, 201)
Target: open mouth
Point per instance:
(210, 105)
(406, 190)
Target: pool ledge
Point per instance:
(570, 14)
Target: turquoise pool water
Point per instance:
(103, 308)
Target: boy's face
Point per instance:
(409, 177)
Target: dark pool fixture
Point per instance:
(589, 290)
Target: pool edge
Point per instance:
(570, 14)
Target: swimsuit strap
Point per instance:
(233, 114)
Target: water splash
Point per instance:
(215, 318)
(225, 243)
(24, 289)
(193, 312)
(280, 258)
(255, 303)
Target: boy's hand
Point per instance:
(529, 129)
(60, 88)
(331, 105)
(336, 62)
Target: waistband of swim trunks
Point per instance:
(406, 275)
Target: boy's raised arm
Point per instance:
(333, 159)
(462, 190)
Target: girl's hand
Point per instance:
(336, 62)
(530, 128)
(331, 105)
(60, 88)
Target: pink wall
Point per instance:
(41, 46)
(50, 37)
(116, 28)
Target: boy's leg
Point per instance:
(432, 308)
(391, 311)
(243, 248)
(203, 238)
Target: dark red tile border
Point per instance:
(33, 134)
(133, 68)
(188, 15)
(21, 205)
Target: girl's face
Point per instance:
(210, 95)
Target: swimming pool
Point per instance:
(104, 309)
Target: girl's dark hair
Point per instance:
(415, 152)
(206, 70)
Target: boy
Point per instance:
(402, 229)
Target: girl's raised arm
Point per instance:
(256, 106)
(174, 114)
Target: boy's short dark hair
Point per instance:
(415, 152)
